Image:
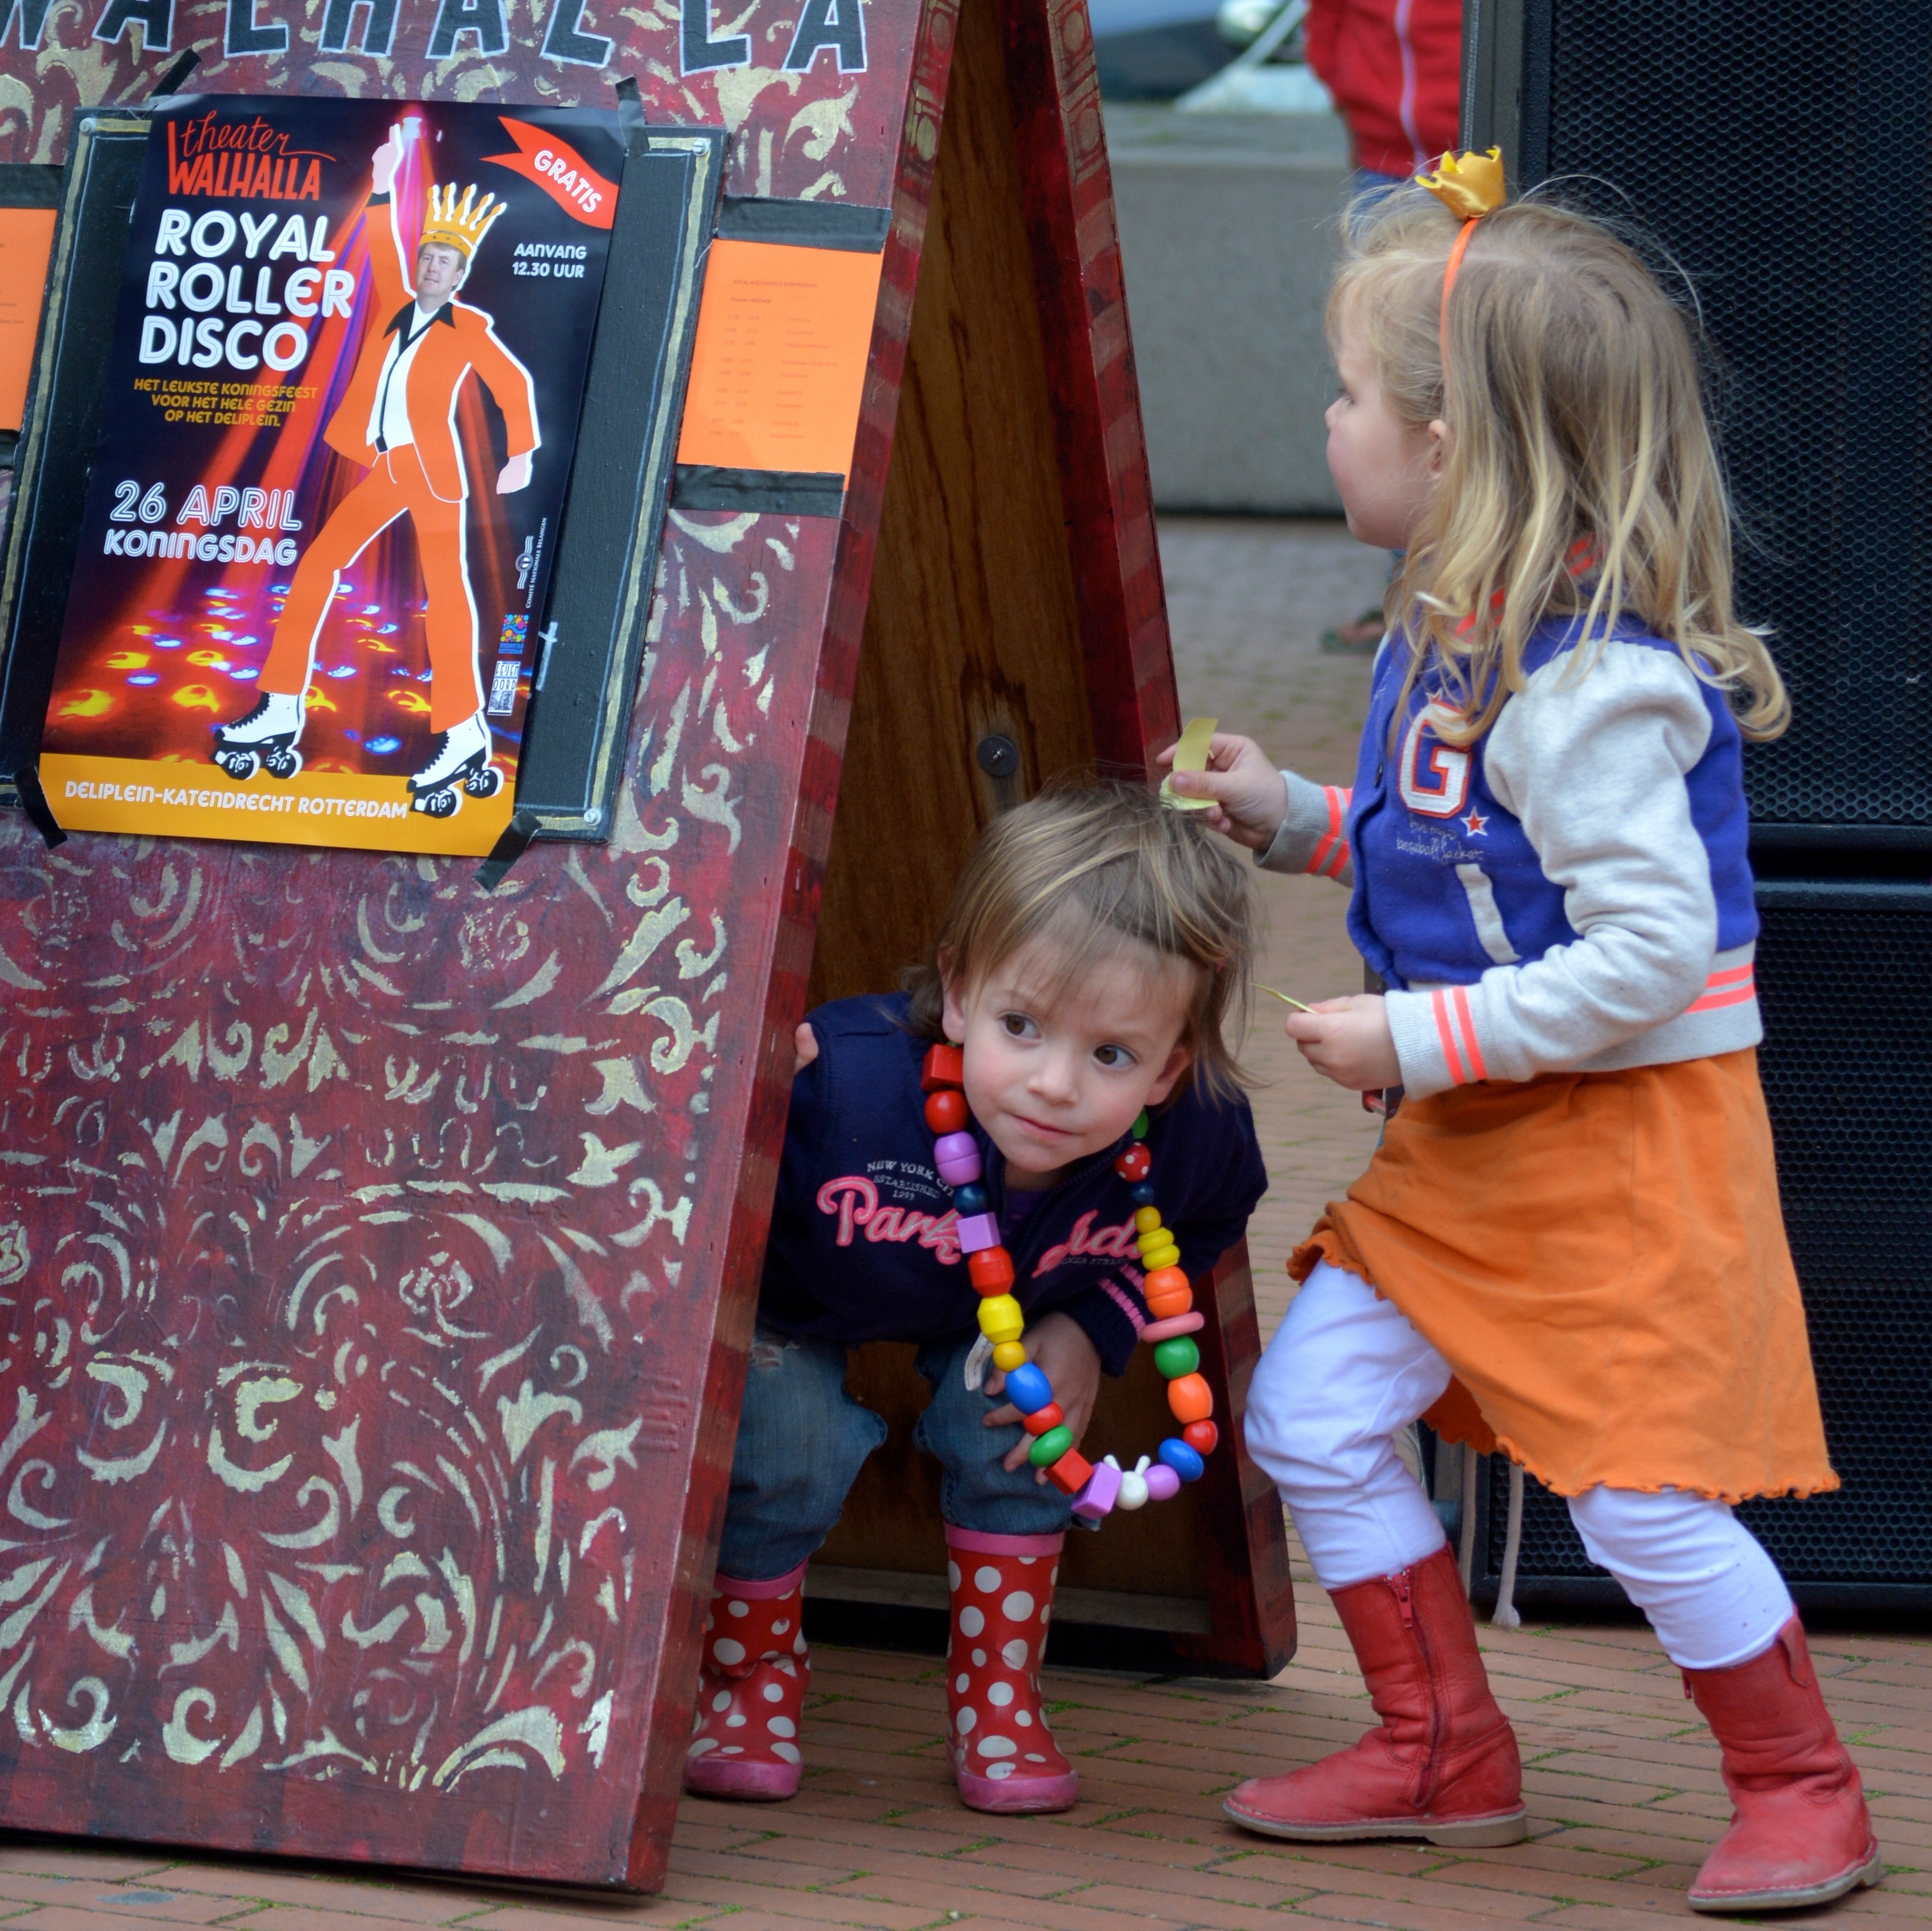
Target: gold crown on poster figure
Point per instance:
(1470, 187)
(460, 225)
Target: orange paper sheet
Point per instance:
(779, 364)
(26, 242)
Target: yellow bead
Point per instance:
(1147, 1218)
(1167, 1256)
(1158, 1237)
(1008, 1355)
(1001, 1318)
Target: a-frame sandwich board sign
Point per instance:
(379, 1249)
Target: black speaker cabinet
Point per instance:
(1842, 971)
(1774, 153)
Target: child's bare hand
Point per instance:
(804, 1047)
(1349, 1041)
(1249, 798)
(1058, 1345)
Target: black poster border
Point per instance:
(598, 603)
(593, 638)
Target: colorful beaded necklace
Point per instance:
(1096, 1491)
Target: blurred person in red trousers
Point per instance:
(1395, 69)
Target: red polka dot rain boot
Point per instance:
(751, 1688)
(1002, 1753)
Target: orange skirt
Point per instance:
(1601, 1259)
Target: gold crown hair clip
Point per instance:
(1469, 188)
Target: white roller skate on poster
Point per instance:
(264, 738)
(462, 760)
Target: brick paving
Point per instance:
(1622, 1780)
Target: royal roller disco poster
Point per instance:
(348, 362)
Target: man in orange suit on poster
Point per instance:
(398, 419)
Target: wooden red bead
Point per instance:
(1071, 1472)
(1135, 1163)
(1041, 1419)
(1203, 1437)
(991, 1270)
(944, 1066)
(945, 1112)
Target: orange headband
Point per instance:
(1471, 187)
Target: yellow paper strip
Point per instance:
(1283, 996)
(1190, 754)
(158, 797)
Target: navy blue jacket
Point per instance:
(862, 1243)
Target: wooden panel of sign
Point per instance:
(378, 1253)
(986, 621)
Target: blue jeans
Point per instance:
(802, 1440)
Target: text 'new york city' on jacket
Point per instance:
(864, 1243)
(1571, 891)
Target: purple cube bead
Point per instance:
(1098, 1493)
(1162, 1483)
(977, 1232)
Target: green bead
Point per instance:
(1141, 1125)
(1050, 1447)
(1177, 1357)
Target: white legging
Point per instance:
(1346, 1372)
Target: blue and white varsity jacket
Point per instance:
(864, 1243)
(1572, 892)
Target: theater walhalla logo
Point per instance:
(240, 160)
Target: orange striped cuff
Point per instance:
(1331, 857)
(1730, 988)
(1455, 1028)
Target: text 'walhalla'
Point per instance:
(241, 161)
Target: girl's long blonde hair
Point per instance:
(1578, 477)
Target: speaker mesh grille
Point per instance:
(1781, 152)
(1847, 1065)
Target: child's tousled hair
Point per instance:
(1090, 867)
(1578, 477)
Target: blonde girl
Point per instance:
(1568, 1246)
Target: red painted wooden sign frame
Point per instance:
(358, 1228)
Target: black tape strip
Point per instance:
(630, 112)
(170, 83)
(805, 224)
(33, 802)
(510, 846)
(702, 486)
(28, 184)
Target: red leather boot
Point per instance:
(751, 1689)
(1800, 1833)
(1443, 1765)
(1004, 1755)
